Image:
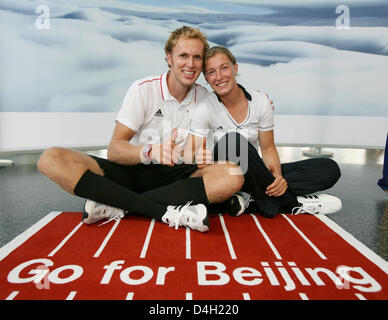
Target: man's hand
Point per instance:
(278, 187)
(203, 156)
(167, 153)
(270, 101)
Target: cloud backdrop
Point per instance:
(93, 50)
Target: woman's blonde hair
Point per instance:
(218, 49)
(186, 33)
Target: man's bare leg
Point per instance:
(70, 169)
(65, 167)
(221, 180)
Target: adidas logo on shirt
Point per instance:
(158, 113)
(219, 128)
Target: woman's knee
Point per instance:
(331, 169)
(336, 171)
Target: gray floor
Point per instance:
(26, 196)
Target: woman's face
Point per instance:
(220, 73)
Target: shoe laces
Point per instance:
(178, 215)
(246, 197)
(311, 205)
(112, 214)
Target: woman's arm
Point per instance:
(272, 162)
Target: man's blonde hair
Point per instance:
(185, 33)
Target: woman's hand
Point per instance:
(278, 187)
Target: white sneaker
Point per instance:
(238, 203)
(194, 217)
(318, 204)
(94, 212)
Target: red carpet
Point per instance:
(248, 257)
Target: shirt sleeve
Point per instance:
(133, 108)
(266, 121)
(200, 125)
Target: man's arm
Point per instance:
(195, 149)
(272, 162)
(120, 150)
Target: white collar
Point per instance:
(167, 96)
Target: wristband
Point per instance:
(146, 152)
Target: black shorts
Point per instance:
(140, 177)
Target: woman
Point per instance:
(242, 120)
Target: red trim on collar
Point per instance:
(160, 79)
(161, 87)
(148, 81)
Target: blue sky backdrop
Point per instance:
(291, 49)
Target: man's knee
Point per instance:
(233, 175)
(62, 161)
(223, 173)
(48, 158)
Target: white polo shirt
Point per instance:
(152, 112)
(211, 118)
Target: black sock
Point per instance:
(220, 207)
(180, 192)
(100, 189)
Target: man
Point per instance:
(155, 118)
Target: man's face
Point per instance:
(186, 61)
